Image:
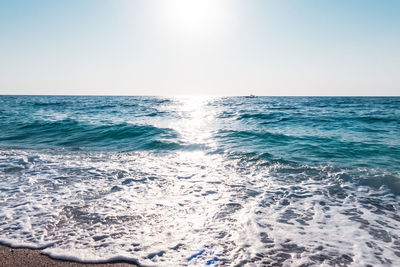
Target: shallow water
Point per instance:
(202, 181)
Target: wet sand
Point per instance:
(23, 257)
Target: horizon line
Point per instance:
(182, 95)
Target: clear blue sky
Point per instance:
(217, 47)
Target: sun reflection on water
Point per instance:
(196, 120)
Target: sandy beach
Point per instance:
(16, 257)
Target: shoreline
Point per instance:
(23, 257)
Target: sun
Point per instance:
(193, 16)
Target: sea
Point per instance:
(202, 181)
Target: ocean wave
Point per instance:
(277, 116)
(49, 104)
(257, 136)
(73, 133)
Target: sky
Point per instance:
(200, 47)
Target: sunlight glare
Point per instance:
(197, 120)
(194, 16)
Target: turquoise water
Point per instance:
(360, 131)
(207, 181)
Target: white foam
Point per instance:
(191, 208)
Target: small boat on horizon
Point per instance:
(250, 96)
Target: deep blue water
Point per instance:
(341, 149)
